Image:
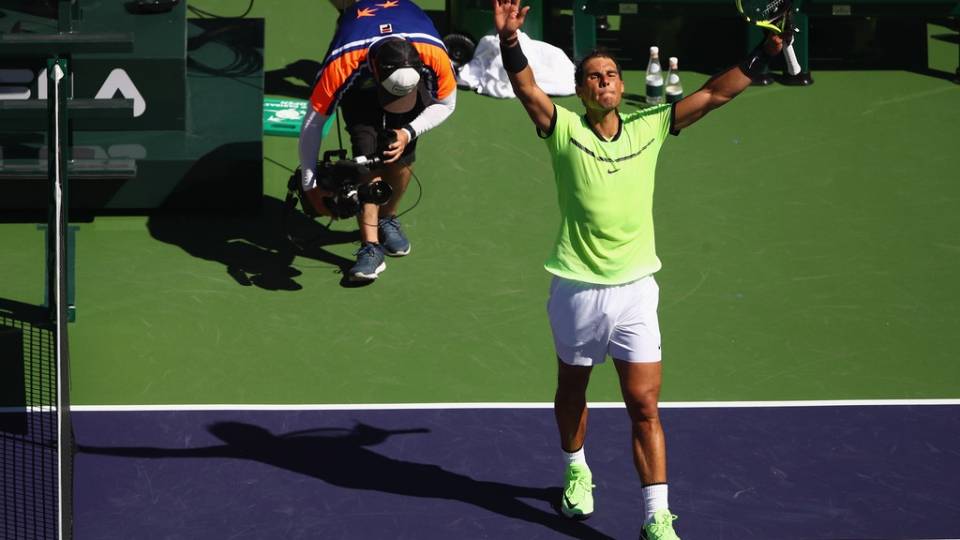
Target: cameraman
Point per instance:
(388, 70)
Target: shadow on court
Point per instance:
(342, 457)
(947, 38)
(255, 249)
(937, 74)
(293, 80)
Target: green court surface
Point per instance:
(809, 238)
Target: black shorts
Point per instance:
(365, 118)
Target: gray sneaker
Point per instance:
(369, 263)
(394, 242)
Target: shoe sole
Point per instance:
(397, 253)
(575, 517)
(360, 276)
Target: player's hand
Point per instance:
(773, 44)
(508, 17)
(395, 150)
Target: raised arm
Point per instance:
(508, 17)
(725, 86)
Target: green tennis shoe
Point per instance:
(577, 500)
(661, 528)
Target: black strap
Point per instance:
(756, 62)
(514, 61)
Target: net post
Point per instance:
(58, 71)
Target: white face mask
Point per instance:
(402, 81)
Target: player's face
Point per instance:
(602, 87)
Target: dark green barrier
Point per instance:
(194, 140)
(153, 74)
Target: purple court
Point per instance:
(843, 472)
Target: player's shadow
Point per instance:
(343, 458)
(255, 249)
(293, 80)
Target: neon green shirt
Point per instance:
(605, 192)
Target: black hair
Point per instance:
(391, 54)
(578, 75)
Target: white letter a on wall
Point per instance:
(119, 81)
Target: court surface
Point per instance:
(228, 387)
(882, 471)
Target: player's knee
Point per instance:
(642, 403)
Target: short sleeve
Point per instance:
(564, 119)
(659, 118)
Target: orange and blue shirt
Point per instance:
(361, 26)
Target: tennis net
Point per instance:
(36, 434)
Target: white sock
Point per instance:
(654, 498)
(577, 457)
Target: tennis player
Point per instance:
(603, 297)
(388, 70)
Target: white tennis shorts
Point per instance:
(591, 321)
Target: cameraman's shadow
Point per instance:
(342, 458)
(285, 81)
(255, 249)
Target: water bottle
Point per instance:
(674, 88)
(654, 77)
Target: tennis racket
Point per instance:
(776, 16)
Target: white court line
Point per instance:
(519, 405)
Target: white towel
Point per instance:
(485, 74)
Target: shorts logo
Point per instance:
(386, 28)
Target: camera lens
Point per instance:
(378, 193)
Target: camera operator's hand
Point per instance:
(395, 150)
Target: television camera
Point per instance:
(344, 179)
